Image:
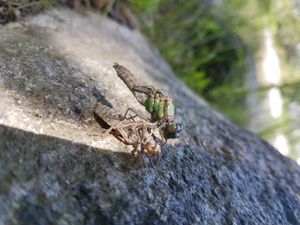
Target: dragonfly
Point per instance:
(156, 101)
(137, 133)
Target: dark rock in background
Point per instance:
(56, 166)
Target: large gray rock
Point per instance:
(56, 166)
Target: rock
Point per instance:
(56, 166)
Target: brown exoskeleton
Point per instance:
(139, 133)
(157, 102)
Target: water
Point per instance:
(268, 109)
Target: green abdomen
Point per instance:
(149, 104)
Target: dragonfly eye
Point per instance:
(171, 130)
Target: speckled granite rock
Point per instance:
(56, 167)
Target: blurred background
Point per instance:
(243, 57)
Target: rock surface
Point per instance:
(56, 166)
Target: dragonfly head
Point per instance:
(171, 130)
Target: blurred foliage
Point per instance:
(285, 20)
(117, 10)
(207, 44)
(25, 7)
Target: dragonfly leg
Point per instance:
(115, 126)
(137, 114)
(161, 132)
(162, 144)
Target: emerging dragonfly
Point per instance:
(157, 102)
(139, 134)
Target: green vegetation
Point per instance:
(207, 46)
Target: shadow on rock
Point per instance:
(46, 180)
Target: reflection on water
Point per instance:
(270, 64)
(271, 74)
(280, 142)
(275, 102)
(268, 109)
